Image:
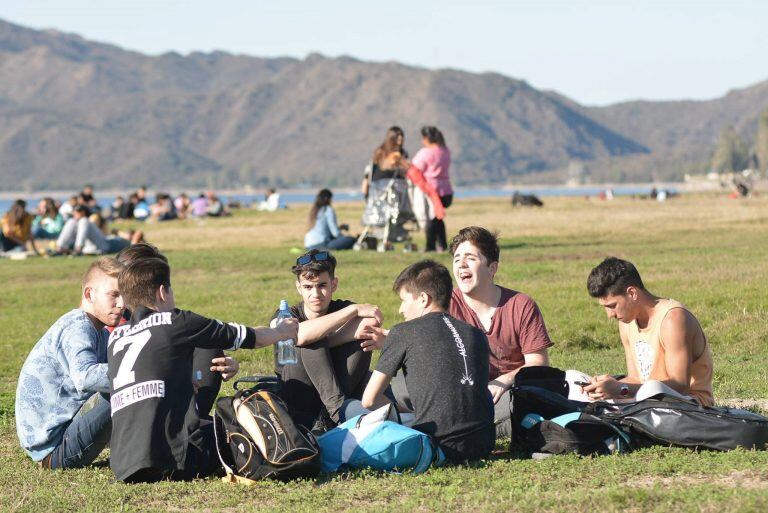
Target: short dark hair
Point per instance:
(429, 277)
(612, 277)
(137, 251)
(486, 241)
(433, 135)
(138, 282)
(315, 267)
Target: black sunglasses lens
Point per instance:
(320, 256)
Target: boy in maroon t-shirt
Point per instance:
(511, 320)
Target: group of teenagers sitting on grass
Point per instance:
(130, 370)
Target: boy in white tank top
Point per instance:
(662, 340)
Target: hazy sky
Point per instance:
(596, 52)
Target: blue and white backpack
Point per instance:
(374, 441)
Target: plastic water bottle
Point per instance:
(286, 349)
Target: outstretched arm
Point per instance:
(288, 328)
(340, 326)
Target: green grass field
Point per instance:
(706, 251)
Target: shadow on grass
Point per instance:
(501, 453)
(566, 244)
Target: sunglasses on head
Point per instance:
(320, 256)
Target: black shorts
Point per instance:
(201, 461)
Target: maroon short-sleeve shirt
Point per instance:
(517, 328)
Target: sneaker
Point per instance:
(323, 423)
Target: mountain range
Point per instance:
(74, 111)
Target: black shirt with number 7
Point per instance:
(154, 417)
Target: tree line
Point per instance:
(734, 154)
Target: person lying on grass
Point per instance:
(62, 402)
(445, 364)
(662, 339)
(332, 364)
(157, 432)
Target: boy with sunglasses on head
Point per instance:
(333, 363)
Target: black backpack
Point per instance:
(668, 420)
(545, 421)
(256, 437)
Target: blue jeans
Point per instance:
(86, 435)
(354, 407)
(351, 408)
(339, 243)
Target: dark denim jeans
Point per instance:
(86, 435)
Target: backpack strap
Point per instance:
(261, 382)
(532, 419)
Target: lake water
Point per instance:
(298, 198)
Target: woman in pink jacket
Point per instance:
(433, 162)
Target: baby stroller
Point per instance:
(388, 216)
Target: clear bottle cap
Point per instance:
(283, 304)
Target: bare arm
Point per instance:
(269, 336)
(675, 335)
(501, 384)
(312, 330)
(633, 374)
(340, 327)
(374, 397)
(359, 328)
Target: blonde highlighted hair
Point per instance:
(108, 266)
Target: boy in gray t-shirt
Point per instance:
(445, 363)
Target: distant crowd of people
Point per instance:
(166, 207)
(80, 225)
(75, 227)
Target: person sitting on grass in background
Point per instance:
(157, 432)
(68, 207)
(215, 208)
(445, 364)
(81, 236)
(62, 397)
(17, 228)
(271, 202)
(662, 339)
(325, 233)
(48, 223)
(332, 365)
(182, 204)
(211, 365)
(511, 320)
(163, 209)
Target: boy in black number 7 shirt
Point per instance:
(156, 428)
